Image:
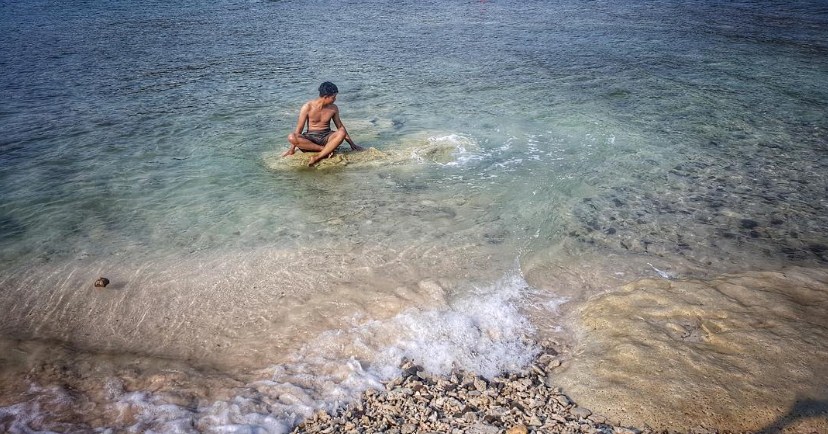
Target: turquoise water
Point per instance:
(145, 125)
(140, 142)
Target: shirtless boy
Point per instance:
(317, 114)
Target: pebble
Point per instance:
(483, 428)
(517, 429)
(563, 400)
(580, 412)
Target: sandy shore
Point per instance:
(735, 353)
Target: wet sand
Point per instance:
(738, 352)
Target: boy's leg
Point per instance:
(334, 140)
(302, 143)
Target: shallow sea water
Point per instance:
(528, 159)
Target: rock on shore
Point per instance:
(462, 402)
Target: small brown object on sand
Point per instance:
(102, 282)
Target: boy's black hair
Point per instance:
(327, 88)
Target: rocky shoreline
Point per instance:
(416, 402)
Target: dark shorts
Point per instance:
(318, 137)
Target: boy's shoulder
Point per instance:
(329, 107)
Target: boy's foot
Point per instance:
(317, 159)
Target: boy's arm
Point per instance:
(303, 119)
(341, 126)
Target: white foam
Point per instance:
(41, 401)
(483, 332)
(554, 304)
(449, 150)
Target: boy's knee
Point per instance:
(292, 138)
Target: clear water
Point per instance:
(140, 142)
